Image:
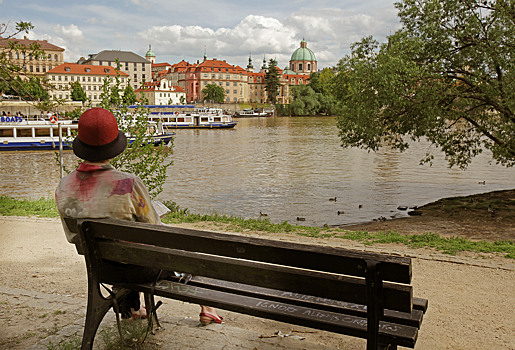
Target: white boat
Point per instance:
(209, 118)
(20, 134)
(17, 134)
(250, 113)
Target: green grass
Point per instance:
(24, 207)
(450, 245)
(72, 343)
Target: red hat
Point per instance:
(99, 137)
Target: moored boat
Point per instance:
(20, 134)
(208, 118)
(250, 113)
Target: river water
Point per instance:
(287, 168)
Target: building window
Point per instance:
(59, 77)
(300, 67)
(31, 68)
(55, 58)
(37, 69)
(135, 66)
(99, 63)
(309, 66)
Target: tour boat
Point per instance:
(20, 134)
(250, 113)
(208, 118)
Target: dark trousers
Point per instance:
(115, 273)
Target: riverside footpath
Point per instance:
(43, 298)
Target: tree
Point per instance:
(447, 75)
(14, 79)
(214, 93)
(272, 82)
(77, 92)
(305, 101)
(129, 96)
(142, 158)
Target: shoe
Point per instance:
(212, 318)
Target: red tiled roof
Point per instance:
(43, 44)
(154, 86)
(160, 65)
(82, 69)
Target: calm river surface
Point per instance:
(286, 168)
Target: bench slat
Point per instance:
(303, 316)
(353, 289)
(336, 260)
(410, 319)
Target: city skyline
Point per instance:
(226, 30)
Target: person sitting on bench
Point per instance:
(96, 190)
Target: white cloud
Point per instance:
(71, 32)
(254, 33)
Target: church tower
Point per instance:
(150, 55)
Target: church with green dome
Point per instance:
(303, 60)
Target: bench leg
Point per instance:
(152, 310)
(97, 308)
(374, 304)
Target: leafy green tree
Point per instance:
(77, 92)
(447, 75)
(214, 93)
(272, 81)
(14, 79)
(36, 91)
(129, 96)
(305, 101)
(142, 158)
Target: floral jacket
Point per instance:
(93, 191)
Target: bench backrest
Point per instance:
(324, 272)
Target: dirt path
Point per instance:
(43, 292)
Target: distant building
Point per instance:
(138, 68)
(240, 85)
(91, 79)
(33, 66)
(303, 60)
(161, 92)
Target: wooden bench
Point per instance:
(359, 294)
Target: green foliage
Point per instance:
(272, 81)
(447, 75)
(305, 101)
(14, 80)
(134, 334)
(71, 343)
(309, 102)
(141, 158)
(129, 96)
(23, 207)
(213, 93)
(77, 92)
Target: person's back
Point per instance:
(96, 190)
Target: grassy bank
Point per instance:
(46, 208)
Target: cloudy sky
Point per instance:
(225, 29)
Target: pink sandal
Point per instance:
(212, 318)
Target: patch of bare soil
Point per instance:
(487, 216)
